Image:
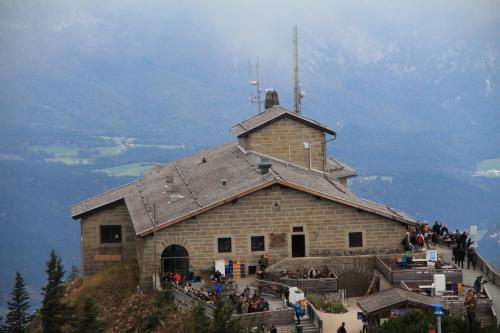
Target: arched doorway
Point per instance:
(355, 283)
(175, 259)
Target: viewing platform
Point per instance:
(492, 288)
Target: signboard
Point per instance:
(277, 240)
(431, 255)
(473, 229)
(398, 312)
(220, 266)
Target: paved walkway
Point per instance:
(332, 321)
(469, 275)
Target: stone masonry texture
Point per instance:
(326, 226)
(275, 138)
(96, 255)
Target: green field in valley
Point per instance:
(489, 164)
(132, 170)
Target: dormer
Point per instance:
(284, 135)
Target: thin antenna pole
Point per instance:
(256, 99)
(258, 84)
(296, 84)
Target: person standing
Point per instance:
(273, 329)
(461, 256)
(262, 265)
(432, 330)
(471, 256)
(420, 242)
(470, 308)
(341, 329)
(455, 254)
(365, 323)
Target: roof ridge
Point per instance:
(187, 185)
(148, 210)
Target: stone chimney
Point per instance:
(264, 166)
(271, 98)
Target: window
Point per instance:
(298, 229)
(111, 233)
(224, 245)
(252, 270)
(355, 239)
(257, 243)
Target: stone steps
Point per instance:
(308, 326)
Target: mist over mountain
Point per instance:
(412, 90)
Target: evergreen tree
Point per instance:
(17, 317)
(75, 272)
(199, 322)
(224, 322)
(55, 314)
(89, 322)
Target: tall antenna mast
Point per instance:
(257, 97)
(297, 93)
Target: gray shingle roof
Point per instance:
(338, 169)
(391, 297)
(199, 186)
(272, 114)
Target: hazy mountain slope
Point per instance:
(411, 88)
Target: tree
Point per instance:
(224, 322)
(55, 314)
(199, 322)
(17, 317)
(89, 322)
(75, 272)
(418, 322)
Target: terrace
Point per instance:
(396, 269)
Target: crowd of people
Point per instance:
(416, 240)
(308, 272)
(463, 248)
(245, 303)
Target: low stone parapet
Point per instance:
(322, 285)
(266, 318)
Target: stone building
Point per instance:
(273, 190)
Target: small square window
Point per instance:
(252, 270)
(258, 243)
(224, 245)
(355, 239)
(298, 229)
(111, 233)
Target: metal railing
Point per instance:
(486, 268)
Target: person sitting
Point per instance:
(312, 273)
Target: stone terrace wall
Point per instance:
(325, 285)
(395, 276)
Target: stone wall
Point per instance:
(325, 225)
(284, 139)
(96, 255)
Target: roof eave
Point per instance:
(287, 114)
(265, 185)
